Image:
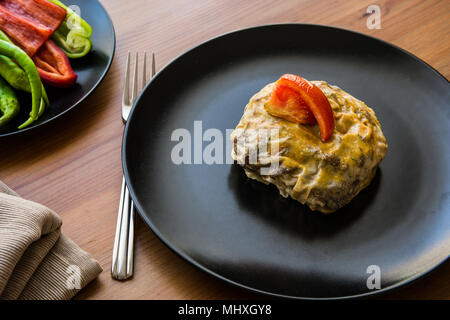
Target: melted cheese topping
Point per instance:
(323, 175)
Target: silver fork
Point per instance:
(123, 252)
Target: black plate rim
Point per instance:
(166, 242)
(102, 77)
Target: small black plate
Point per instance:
(243, 231)
(91, 70)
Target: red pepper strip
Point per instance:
(25, 34)
(310, 96)
(41, 12)
(29, 23)
(54, 66)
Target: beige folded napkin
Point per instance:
(36, 260)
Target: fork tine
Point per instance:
(135, 80)
(153, 64)
(144, 71)
(126, 85)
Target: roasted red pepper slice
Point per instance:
(29, 23)
(296, 99)
(54, 66)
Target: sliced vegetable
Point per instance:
(24, 61)
(9, 105)
(38, 11)
(13, 74)
(17, 78)
(54, 66)
(74, 34)
(292, 95)
(29, 23)
(44, 100)
(286, 103)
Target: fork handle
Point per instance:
(123, 252)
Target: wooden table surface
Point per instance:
(74, 166)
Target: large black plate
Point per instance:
(91, 70)
(243, 231)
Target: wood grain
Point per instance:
(73, 165)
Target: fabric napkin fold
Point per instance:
(36, 260)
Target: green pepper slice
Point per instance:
(74, 34)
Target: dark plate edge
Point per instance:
(102, 77)
(155, 230)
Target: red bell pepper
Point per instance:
(298, 100)
(54, 66)
(29, 23)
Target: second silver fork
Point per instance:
(123, 252)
